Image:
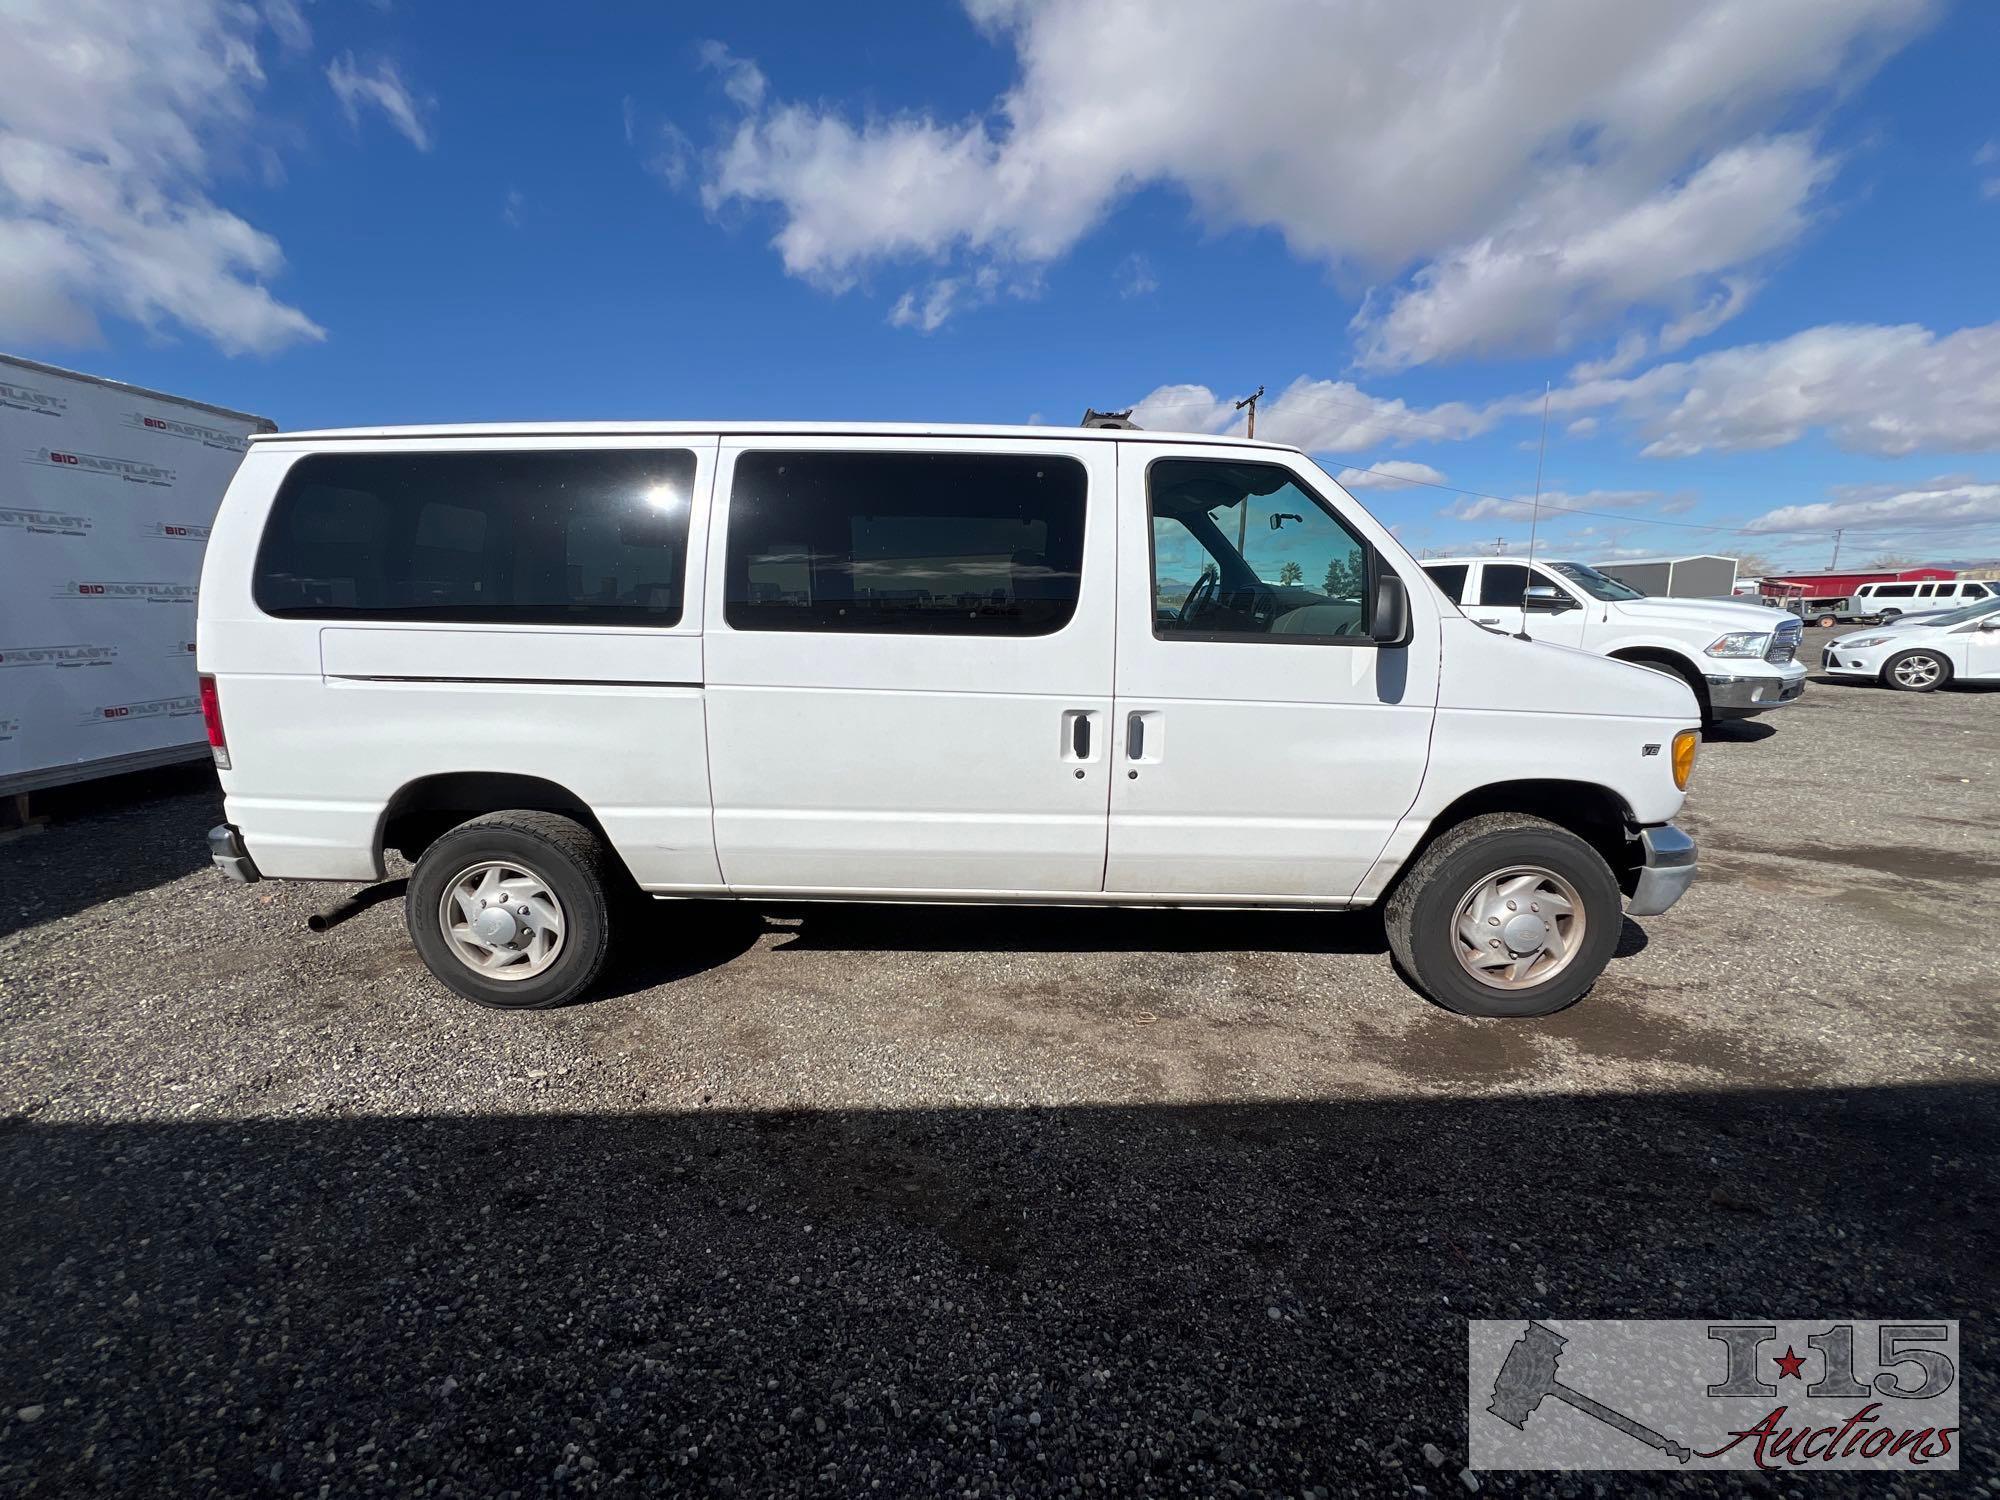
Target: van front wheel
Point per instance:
(513, 910)
(1505, 915)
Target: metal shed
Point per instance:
(1703, 575)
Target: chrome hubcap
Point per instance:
(1917, 671)
(501, 920)
(1519, 928)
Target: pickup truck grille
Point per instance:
(1784, 643)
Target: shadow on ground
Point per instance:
(1007, 1300)
(157, 822)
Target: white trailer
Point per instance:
(106, 496)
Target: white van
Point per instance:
(1740, 659)
(557, 664)
(1888, 600)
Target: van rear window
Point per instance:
(905, 543)
(593, 537)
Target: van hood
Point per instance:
(1714, 612)
(1492, 670)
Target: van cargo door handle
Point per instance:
(1135, 737)
(1080, 737)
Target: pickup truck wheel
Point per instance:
(1505, 915)
(513, 910)
(1916, 672)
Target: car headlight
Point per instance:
(1862, 641)
(1741, 643)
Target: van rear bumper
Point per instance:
(1666, 869)
(225, 847)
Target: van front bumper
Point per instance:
(1737, 696)
(225, 847)
(1666, 870)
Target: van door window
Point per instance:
(596, 536)
(1896, 591)
(905, 543)
(1451, 578)
(1245, 550)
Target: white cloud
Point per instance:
(1578, 255)
(929, 307)
(1988, 156)
(1135, 276)
(110, 117)
(1547, 167)
(1952, 501)
(1872, 388)
(1582, 427)
(288, 24)
(1321, 416)
(742, 80)
(385, 90)
(1522, 507)
(513, 206)
(1390, 474)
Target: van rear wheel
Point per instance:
(513, 910)
(1505, 915)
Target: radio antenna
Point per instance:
(1535, 515)
(1535, 519)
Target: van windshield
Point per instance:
(1594, 583)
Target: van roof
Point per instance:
(761, 429)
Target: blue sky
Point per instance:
(1770, 226)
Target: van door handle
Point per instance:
(1135, 737)
(1080, 736)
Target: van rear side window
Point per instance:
(905, 543)
(591, 537)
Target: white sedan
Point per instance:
(1918, 655)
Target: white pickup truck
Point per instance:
(1738, 658)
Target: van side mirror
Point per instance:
(1546, 599)
(1389, 609)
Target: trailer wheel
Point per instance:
(1827, 622)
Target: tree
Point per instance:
(1291, 572)
(1346, 577)
(1753, 565)
(1889, 560)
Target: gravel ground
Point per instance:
(959, 1201)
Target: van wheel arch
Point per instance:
(1595, 814)
(1672, 662)
(429, 807)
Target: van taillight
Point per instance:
(211, 715)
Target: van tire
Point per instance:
(560, 852)
(1420, 912)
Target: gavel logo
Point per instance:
(1529, 1373)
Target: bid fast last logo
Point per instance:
(152, 708)
(144, 592)
(130, 471)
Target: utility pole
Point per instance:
(1836, 548)
(1251, 401)
(1243, 515)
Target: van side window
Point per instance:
(905, 543)
(1503, 584)
(1451, 578)
(1245, 550)
(1896, 591)
(592, 537)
